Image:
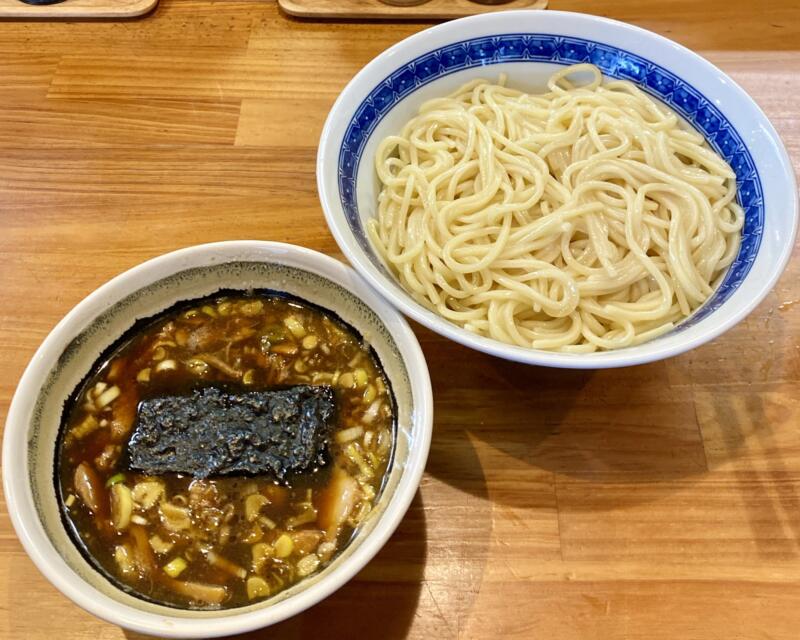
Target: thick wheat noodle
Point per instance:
(585, 218)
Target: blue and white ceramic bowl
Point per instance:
(529, 46)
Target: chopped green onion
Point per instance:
(257, 587)
(175, 567)
(284, 546)
(295, 326)
(115, 479)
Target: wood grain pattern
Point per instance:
(659, 502)
(76, 9)
(377, 10)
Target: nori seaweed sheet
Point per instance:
(212, 432)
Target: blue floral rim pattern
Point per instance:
(614, 63)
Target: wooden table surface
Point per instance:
(655, 502)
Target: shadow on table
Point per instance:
(636, 424)
(747, 444)
(647, 427)
(380, 602)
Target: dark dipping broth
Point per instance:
(223, 542)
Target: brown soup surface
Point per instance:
(223, 542)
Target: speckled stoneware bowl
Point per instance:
(72, 347)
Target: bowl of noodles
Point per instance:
(558, 189)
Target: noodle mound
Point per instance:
(582, 219)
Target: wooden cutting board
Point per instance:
(76, 9)
(377, 10)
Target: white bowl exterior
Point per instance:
(20, 499)
(768, 153)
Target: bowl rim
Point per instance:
(387, 62)
(16, 485)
